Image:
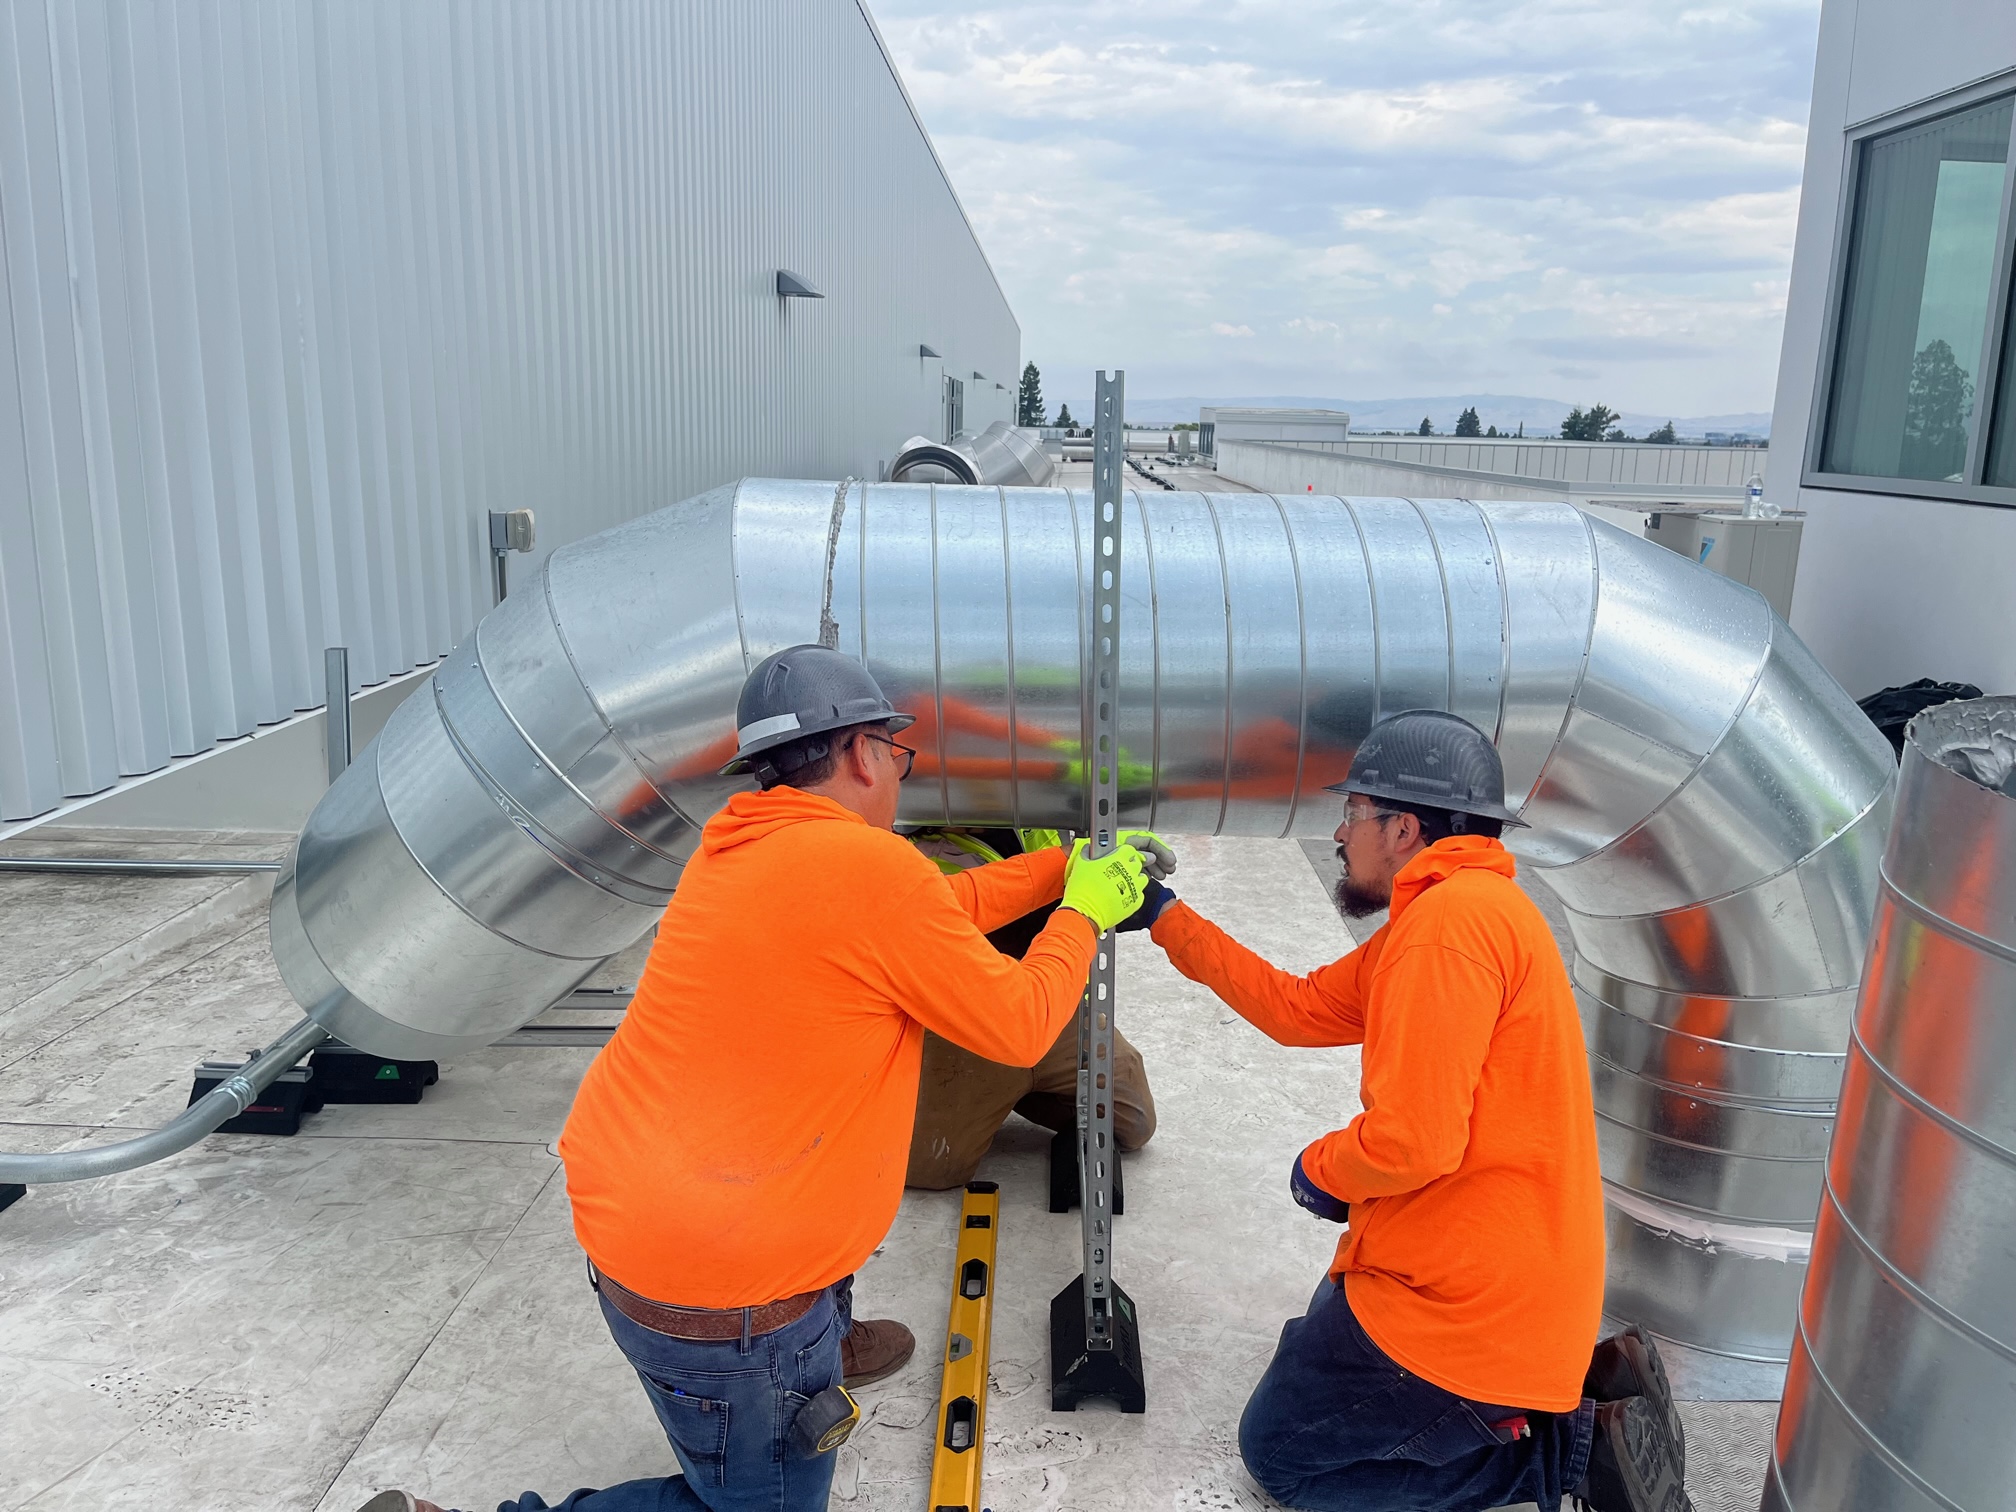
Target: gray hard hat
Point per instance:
(803, 691)
(1432, 759)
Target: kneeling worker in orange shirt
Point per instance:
(738, 1148)
(1445, 1362)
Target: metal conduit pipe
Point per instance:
(1705, 800)
(94, 866)
(222, 1102)
(1000, 455)
(1899, 1392)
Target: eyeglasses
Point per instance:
(905, 752)
(1360, 816)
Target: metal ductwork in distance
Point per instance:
(1903, 1377)
(999, 455)
(1706, 802)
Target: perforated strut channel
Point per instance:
(1102, 776)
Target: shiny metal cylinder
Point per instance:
(1903, 1376)
(1001, 455)
(1706, 802)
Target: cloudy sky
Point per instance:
(1362, 198)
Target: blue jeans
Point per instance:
(1336, 1426)
(727, 1407)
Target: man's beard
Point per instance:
(1359, 900)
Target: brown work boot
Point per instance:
(874, 1349)
(398, 1501)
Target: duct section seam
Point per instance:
(1705, 801)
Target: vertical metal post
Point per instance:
(336, 714)
(1102, 778)
(1095, 1334)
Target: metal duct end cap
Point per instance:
(1975, 737)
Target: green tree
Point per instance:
(1937, 406)
(1064, 417)
(1663, 436)
(1029, 402)
(1593, 424)
(1426, 428)
(1492, 431)
(1467, 423)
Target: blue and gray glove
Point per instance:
(1154, 898)
(1314, 1198)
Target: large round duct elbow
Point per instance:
(1000, 455)
(1904, 1373)
(1706, 802)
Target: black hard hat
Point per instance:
(1432, 759)
(801, 691)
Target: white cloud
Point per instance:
(1388, 199)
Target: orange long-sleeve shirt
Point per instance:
(743, 1137)
(1475, 1252)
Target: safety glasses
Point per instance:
(1359, 816)
(909, 757)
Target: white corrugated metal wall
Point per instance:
(292, 293)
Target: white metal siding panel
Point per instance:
(292, 293)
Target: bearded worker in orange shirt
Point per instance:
(738, 1148)
(1445, 1362)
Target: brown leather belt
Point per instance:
(702, 1323)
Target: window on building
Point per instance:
(955, 407)
(1926, 261)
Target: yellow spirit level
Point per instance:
(962, 1399)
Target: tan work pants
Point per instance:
(963, 1099)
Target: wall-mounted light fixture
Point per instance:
(979, 377)
(928, 351)
(510, 530)
(795, 286)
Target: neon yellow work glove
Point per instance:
(1156, 855)
(1107, 890)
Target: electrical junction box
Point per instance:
(1762, 553)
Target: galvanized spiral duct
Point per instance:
(1706, 801)
(1903, 1376)
(1000, 455)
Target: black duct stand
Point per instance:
(1078, 1372)
(1064, 1195)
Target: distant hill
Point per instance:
(1541, 417)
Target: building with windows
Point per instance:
(1895, 423)
(293, 295)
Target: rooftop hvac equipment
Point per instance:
(1904, 1369)
(1706, 802)
(1001, 454)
